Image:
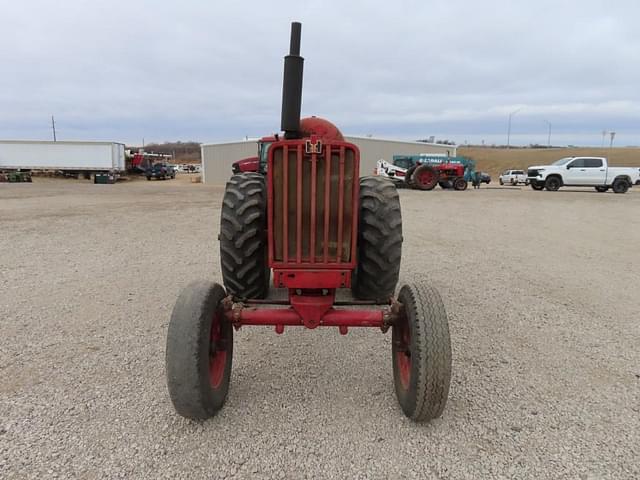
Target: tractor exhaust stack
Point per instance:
(292, 86)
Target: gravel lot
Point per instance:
(543, 295)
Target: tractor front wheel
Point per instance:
(421, 350)
(460, 184)
(425, 177)
(199, 351)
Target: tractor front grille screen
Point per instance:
(313, 203)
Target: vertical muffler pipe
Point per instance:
(292, 86)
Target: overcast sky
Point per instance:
(212, 70)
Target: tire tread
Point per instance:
(379, 240)
(243, 242)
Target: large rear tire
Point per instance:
(601, 189)
(408, 177)
(421, 350)
(243, 238)
(537, 186)
(199, 351)
(379, 240)
(425, 177)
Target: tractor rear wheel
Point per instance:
(425, 177)
(537, 186)
(243, 238)
(408, 177)
(601, 189)
(445, 184)
(460, 184)
(379, 240)
(199, 351)
(421, 350)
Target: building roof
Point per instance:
(395, 140)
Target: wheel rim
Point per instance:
(403, 352)
(425, 177)
(217, 351)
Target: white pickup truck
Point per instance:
(513, 177)
(583, 172)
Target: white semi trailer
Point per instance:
(68, 157)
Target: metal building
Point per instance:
(218, 157)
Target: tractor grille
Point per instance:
(314, 195)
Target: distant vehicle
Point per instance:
(513, 177)
(583, 172)
(190, 168)
(424, 171)
(485, 178)
(160, 171)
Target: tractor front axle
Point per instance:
(314, 313)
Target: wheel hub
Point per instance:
(402, 347)
(425, 178)
(217, 352)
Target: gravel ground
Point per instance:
(542, 291)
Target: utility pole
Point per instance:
(549, 136)
(604, 134)
(509, 127)
(53, 126)
(613, 135)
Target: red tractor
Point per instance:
(447, 175)
(424, 172)
(308, 221)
